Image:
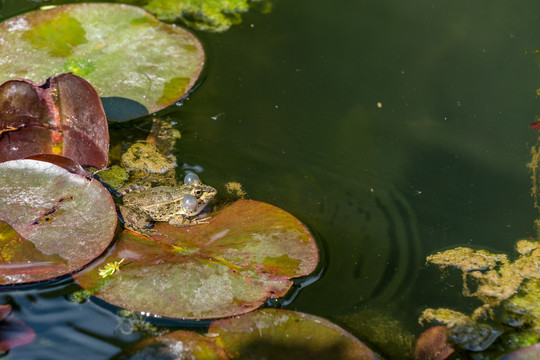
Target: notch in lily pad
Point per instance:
(247, 252)
(132, 59)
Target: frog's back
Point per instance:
(159, 195)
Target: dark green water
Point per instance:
(288, 108)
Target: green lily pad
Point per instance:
(122, 50)
(284, 334)
(246, 253)
(176, 345)
(62, 116)
(53, 221)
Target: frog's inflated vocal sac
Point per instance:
(175, 204)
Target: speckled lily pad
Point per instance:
(61, 116)
(127, 55)
(247, 252)
(54, 221)
(285, 334)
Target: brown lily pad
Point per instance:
(284, 334)
(62, 116)
(247, 252)
(53, 221)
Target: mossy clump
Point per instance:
(510, 296)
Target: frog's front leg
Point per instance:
(182, 221)
(134, 219)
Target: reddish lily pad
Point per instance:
(433, 344)
(13, 332)
(62, 116)
(53, 221)
(176, 345)
(246, 253)
(285, 334)
(122, 50)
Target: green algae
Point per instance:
(206, 15)
(510, 296)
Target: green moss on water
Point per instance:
(205, 15)
(509, 291)
(114, 177)
(384, 333)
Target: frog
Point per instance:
(177, 205)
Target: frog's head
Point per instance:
(198, 195)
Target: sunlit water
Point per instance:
(289, 108)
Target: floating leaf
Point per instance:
(13, 332)
(62, 116)
(53, 221)
(285, 334)
(131, 58)
(528, 353)
(246, 253)
(177, 345)
(433, 344)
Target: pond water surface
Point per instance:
(392, 129)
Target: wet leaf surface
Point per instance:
(177, 345)
(62, 116)
(53, 221)
(285, 334)
(247, 252)
(131, 59)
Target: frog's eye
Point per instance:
(190, 177)
(198, 192)
(189, 202)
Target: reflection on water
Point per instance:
(288, 109)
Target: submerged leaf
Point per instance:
(285, 334)
(62, 116)
(53, 221)
(246, 253)
(131, 58)
(14, 332)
